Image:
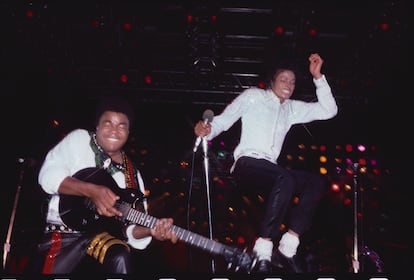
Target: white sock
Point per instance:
(263, 249)
(288, 244)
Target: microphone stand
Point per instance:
(6, 247)
(207, 178)
(355, 261)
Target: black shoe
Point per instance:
(263, 266)
(288, 264)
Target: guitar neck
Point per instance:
(196, 240)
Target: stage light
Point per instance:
(190, 18)
(95, 24)
(312, 32)
(362, 161)
(55, 123)
(323, 170)
(261, 84)
(361, 148)
(147, 79)
(29, 14)
(123, 78)
(384, 26)
(241, 240)
(335, 187)
(127, 26)
(279, 30)
(221, 154)
(98, 23)
(213, 18)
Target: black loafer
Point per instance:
(287, 264)
(263, 266)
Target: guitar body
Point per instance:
(80, 213)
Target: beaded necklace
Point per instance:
(127, 166)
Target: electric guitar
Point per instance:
(80, 213)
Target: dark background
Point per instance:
(58, 60)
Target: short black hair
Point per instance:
(281, 65)
(117, 104)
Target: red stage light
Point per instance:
(127, 26)
(148, 79)
(124, 78)
(29, 14)
(261, 84)
(95, 23)
(384, 26)
(312, 32)
(279, 30)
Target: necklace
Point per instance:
(126, 166)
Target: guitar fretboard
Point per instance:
(138, 217)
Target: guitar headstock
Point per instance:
(239, 260)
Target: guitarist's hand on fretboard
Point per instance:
(163, 230)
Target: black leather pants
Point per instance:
(279, 186)
(275, 183)
(72, 257)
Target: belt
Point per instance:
(253, 154)
(59, 228)
(258, 155)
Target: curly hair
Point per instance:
(116, 104)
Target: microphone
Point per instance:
(207, 117)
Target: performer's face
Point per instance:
(112, 132)
(284, 84)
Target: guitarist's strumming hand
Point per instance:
(102, 196)
(104, 200)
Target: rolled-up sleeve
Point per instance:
(139, 244)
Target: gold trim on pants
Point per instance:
(100, 245)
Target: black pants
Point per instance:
(69, 253)
(279, 186)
